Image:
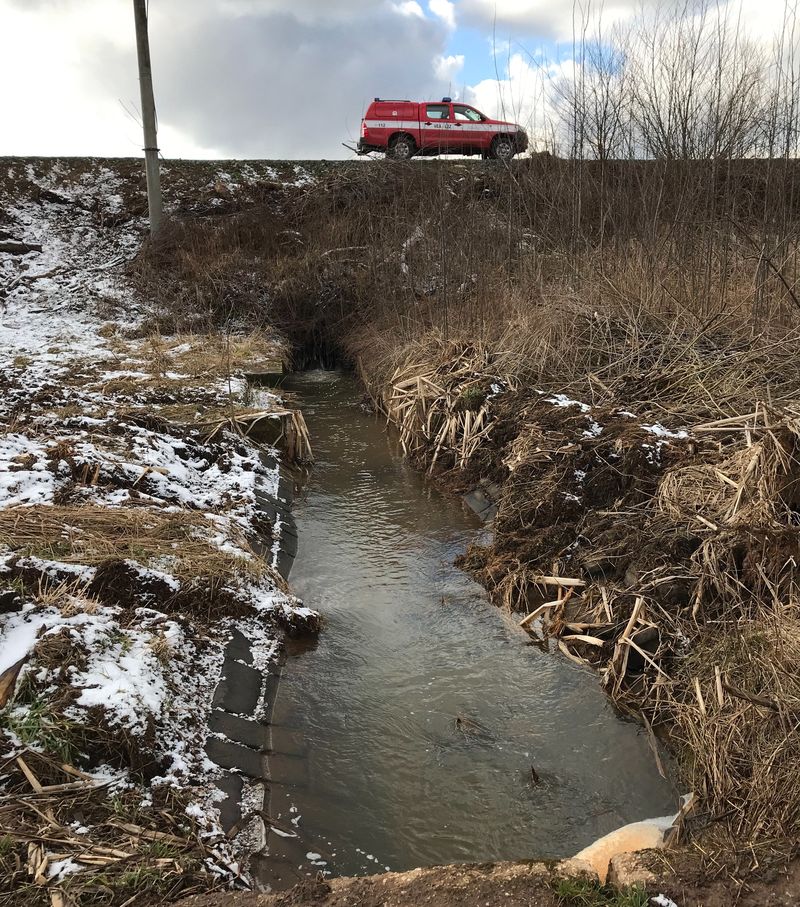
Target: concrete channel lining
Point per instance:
(241, 740)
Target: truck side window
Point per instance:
(437, 111)
(467, 113)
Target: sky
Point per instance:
(277, 78)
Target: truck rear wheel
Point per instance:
(402, 148)
(502, 148)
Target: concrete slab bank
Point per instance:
(242, 741)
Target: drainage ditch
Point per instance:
(423, 727)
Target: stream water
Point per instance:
(422, 708)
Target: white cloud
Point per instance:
(549, 19)
(445, 10)
(560, 21)
(447, 68)
(409, 8)
(248, 78)
(526, 94)
(44, 106)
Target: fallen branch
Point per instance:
(18, 247)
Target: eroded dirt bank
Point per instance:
(527, 885)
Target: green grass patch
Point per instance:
(471, 398)
(37, 725)
(161, 850)
(584, 893)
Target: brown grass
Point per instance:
(149, 855)
(91, 535)
(664, 287)
(702, 638)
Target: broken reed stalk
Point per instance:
(720, 671)
(36, 820)
(443, 410)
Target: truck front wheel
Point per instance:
(502, 148)
(402, 148)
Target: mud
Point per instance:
(512, 884)
(678, 877)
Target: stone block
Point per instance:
(284, 563)
(287, 741)
(290, 771)
(239, 648)
(252, 734)
(235, 756)
(230, 808)
(239, 688)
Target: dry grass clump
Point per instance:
(212, 271)
(133, 853)
(92, 534)
(202, 366)
(276, 426)
(734, 713)
(195, 381)
(438, 400)
(604, 350)
(209, 355)
(671, 565)
(756, 486)
(40, 714)
(705, 644)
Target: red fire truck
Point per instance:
(402, 129)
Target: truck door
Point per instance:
(472, 135)
(438, 128)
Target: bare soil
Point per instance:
(517, 884)
(520, 885)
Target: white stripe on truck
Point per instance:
(441, 124)
(391, 124)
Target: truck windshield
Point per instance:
(467, 113)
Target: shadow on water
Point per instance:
(431, 733)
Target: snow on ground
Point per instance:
(24, 476)
(125, 537)
(594, 428)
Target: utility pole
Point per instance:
(148, 115)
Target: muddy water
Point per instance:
(410, 645)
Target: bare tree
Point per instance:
(696, 84)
